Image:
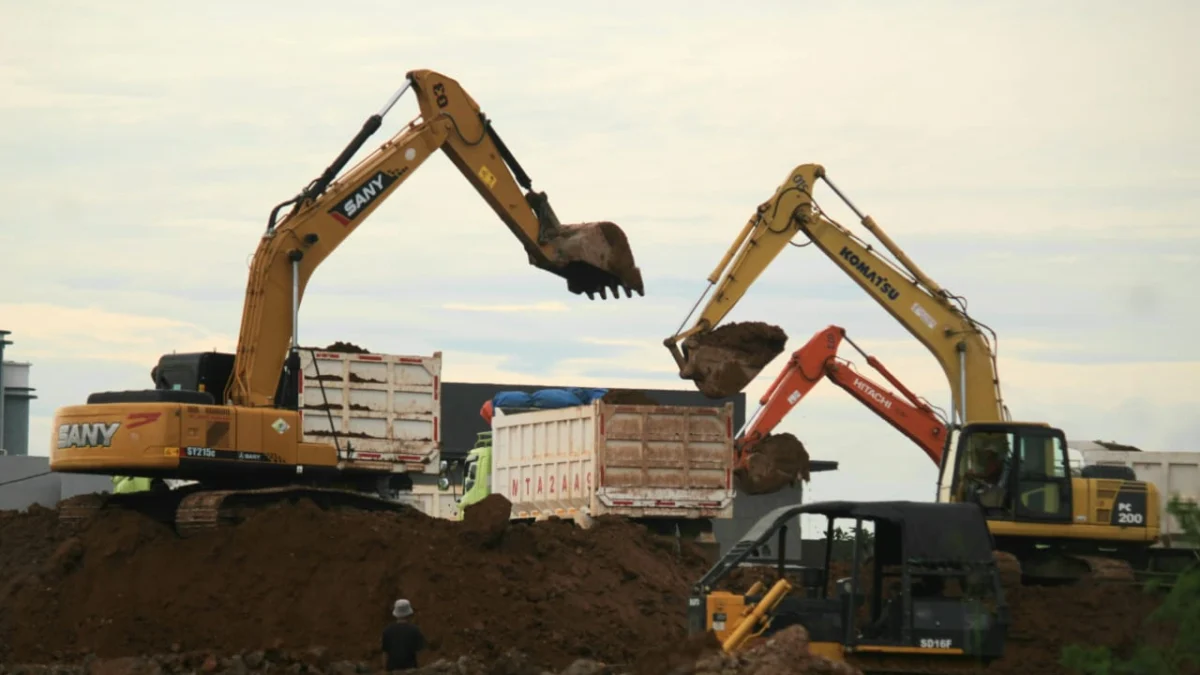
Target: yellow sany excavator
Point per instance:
(230, 421)
(1058, 527)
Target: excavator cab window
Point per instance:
(1043, 481)
(1016, 471)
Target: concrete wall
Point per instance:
(27, 480)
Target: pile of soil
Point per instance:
(1047, 619)
(295, 576)
(731, 356)
(295, 584)
(775, 462)
(628, 397)
(345, 348)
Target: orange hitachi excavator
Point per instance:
(818, 359)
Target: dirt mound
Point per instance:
(628, 397)
(485, 521)
(345, 348)
(1047, 619)
(28, 540)
(725, 360)
(296, 576)
(775, 462)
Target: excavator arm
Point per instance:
(591, 257)
(931, 314)
(818, 360)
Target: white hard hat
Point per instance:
(401, 609)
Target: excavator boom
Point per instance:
(765, 462)
(591, 257)
(926, 310)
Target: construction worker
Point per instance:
(401, 639)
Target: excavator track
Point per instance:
(192, 511)
(1108, 570)
(210, 509)
(1065, 569)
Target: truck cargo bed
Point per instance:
(641, 461)
(377, 408)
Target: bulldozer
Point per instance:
(230, 423)
(922, 592)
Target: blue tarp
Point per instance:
(547, 398)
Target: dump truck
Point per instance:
(670, 467)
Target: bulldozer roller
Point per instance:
(596, 258)
(723, 361)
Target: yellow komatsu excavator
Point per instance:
(230, 421)
(1057, 527)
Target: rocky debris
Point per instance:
(785, 653)
(345, 348)
(729, 357)
(776, 461)
(628, 397)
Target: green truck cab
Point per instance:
(477, 473)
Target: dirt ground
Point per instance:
(296, 576)
(296, 582)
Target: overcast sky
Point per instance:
(1038, 158)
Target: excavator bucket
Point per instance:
(773, 463)
(598, 259)
(723, 361)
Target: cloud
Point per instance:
(82, 334)
(534, 307)
(1064, 214)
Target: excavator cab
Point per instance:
(923, 593)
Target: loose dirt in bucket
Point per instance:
(628, 397)
(345, 348)
(775, 462)
(729, 357)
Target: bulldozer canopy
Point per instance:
(928, 531)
